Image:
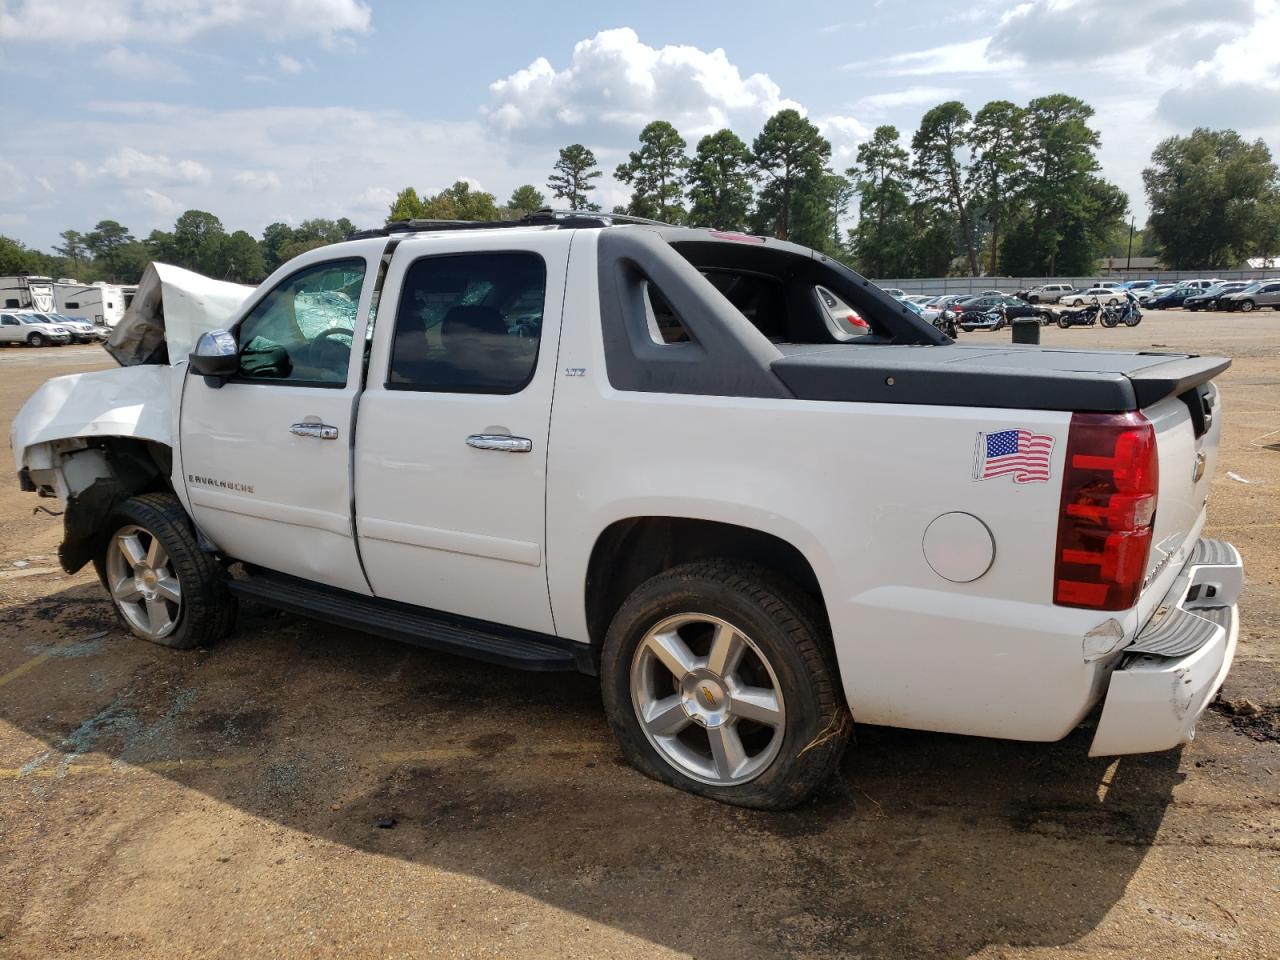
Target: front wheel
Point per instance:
(164, 587)
(1109, 321)
(1247, 305)
(719, 679)
(1064, 321)
(37, 340)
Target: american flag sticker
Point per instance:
(1018, 453)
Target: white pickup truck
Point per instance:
(652, 454)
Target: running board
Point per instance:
(477, 639)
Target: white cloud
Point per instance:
(136, 65)
(950, 59)
(1238, 86)
(74, 22)
(614, 79)
(319, 158)
(844, 134)
(155, 201)
(130, 165)
(288, 64)
(909, 97)
(258, 179)
(1081, 30)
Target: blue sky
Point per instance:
(262, 110)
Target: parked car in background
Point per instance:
(1046, 293)
(1263, 293)
(919, 299)
(934, 307)
(82, 331)
(1146, 293)
(894, 292)
(31, 329)
(1086, 295)
(1135, 286)
(1195, 285)
(1209, 299)
(972, 310)
(1171, 298)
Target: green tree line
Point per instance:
(1009, 189)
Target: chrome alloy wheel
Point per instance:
(707, 699)
(142, 583)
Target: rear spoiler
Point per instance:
(1174, 378)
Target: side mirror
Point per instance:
(216, 357)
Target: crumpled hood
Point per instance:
(171, 309)
(134, 402)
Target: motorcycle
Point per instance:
(1129, 314)
(1084, 317)
(946, 322)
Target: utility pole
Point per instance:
(1128, 264)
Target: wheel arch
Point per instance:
(92, 476)
(631, 550)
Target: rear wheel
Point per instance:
(718, 679)
(36, 340)
(164, 587)
(1064, 321)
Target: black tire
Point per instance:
(1247, 305)
(1034, 298)
(786, 628)
(36, 340)
(208, 610)
(1063, 321)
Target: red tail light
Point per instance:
(1108, 510)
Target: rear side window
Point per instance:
(469, 323)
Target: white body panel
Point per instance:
(257, 490)
(442, 524)
(128, 402)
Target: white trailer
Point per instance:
(27, 293)
(100, 303)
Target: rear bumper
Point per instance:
(1177, 663)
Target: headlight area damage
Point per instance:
(94, 439)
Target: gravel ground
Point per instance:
(225, 802)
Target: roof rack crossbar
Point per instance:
(564, 219)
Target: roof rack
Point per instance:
(563, 219)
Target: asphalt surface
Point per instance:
(226, 802)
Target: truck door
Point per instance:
(451, 445)
(267, 456)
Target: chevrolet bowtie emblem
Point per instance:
(711, 697)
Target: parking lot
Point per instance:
(305, 791)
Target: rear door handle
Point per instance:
(319, 431)
(499, 441)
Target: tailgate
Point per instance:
(1188, 426)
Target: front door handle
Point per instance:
(499, 441)
(319, 431)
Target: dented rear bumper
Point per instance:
(1177, 663)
